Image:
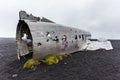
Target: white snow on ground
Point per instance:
(95, 45)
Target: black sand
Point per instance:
(90, 65)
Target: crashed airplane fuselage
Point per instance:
(38, 37)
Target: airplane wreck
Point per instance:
(37, 37)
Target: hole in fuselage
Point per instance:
(26, 45)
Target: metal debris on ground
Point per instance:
(98, 45)
(14, 75)
(65, 63)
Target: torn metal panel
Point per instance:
(99, 45)
(24, 16)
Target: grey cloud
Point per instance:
(100, 17)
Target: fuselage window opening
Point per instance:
(79, 36)
(82, 37)
(76, 37)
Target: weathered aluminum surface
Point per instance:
(50, 38)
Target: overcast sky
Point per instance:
(100, 17)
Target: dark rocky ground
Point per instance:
(90, 65)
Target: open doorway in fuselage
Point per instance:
(26, 42)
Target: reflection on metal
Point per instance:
(39, 37)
